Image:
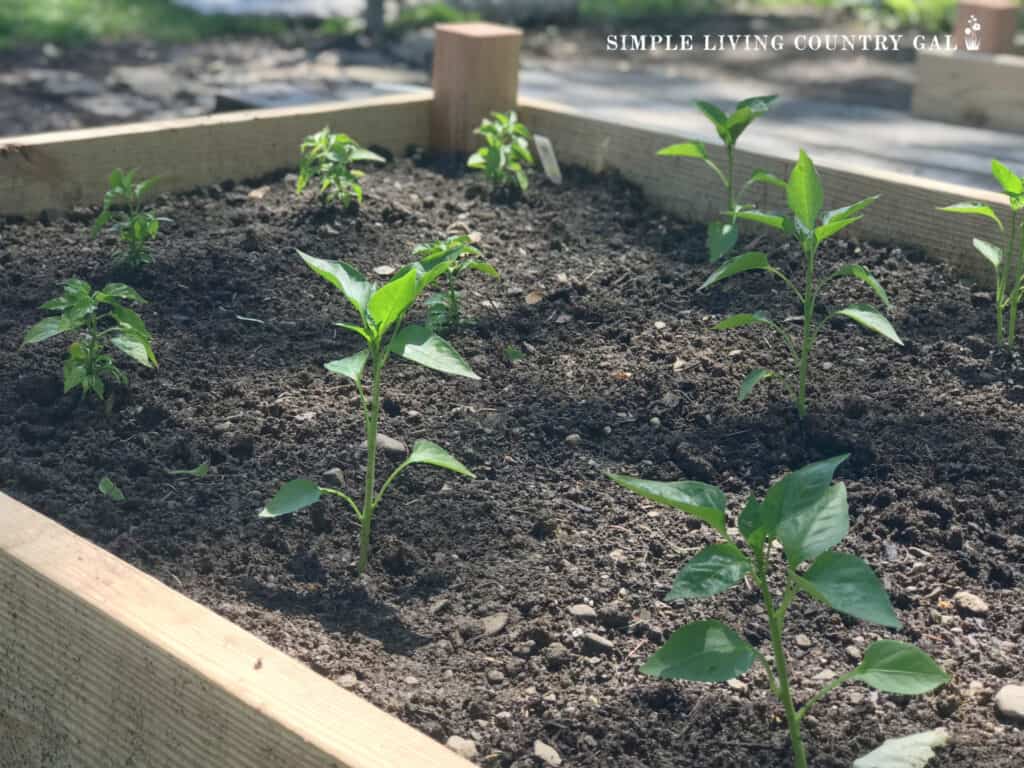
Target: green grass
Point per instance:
(70, 22)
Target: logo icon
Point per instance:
(972, 34)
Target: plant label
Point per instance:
(548, 161)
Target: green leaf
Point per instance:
(747, 111)
(718, 118)
(741, 321)
(137, 349)
(705, 651)
(201, 471)
(389, 302)
(848, 584)
(758, 104)
(292, 496)
(685, 149)
(721, 239)
(798, 495)
(745, 262)
(815, 527)
(713, 570)
(483, 266)
(773, 220)
(122, 291)
(346, 279)
(848, 211)
(764, 177)
(825, 231)
(755, 524)
(43, 330)
(751, 380)
(703, 501)
(914, 751)
(426, 452)
(896, 667)
(993, 253)
(109, 488)
(858, 272)
(365, 155)
(974, 209)
(351, 366)
(804, 192)
(1008, 180)
(872, 319)
(421, 345)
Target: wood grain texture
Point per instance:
(63, 169)
(979, 89)
(998, 21)
(476, 72)
(906, 214)
(102, 666)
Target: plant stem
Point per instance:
(1011, 329)
(366, 519)
(808, 335)
(775, 618)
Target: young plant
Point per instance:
(810, 227)
(1007, 260)
(329, 157)
(444, 308)
(381, 326)
(807, 515)
(507, 155)
(122, 211)
(101, 321)
(722, 235)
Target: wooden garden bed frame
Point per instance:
(970, 88)
(101, 665)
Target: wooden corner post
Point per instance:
(986, 25)
(476, 72)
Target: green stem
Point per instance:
(729, 184)
(775, 618)
(1013, 284)
(808, 334)
(366, 520)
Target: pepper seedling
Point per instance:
(444, 308)
(329, 157)
(1007, 260)
(381, 326)
(123, 212)
(101, 321)
(507, 155)
(807, 514)
(722, 235)
(810, 227)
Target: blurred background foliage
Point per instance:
(69, 22)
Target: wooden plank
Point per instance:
(102, 665)
(63, 169)
(906, 214)
(476, 72)
(986, 25)
(979, 89)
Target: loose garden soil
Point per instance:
(462, 626)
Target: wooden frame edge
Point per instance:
(103, 665)
(979, 89)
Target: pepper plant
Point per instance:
(329, 157)
(810, 226)
(507, 155)
(1008, 259)
(807, 514)
(458, 253)
(100, 321)
(381, 326)
(123, 212)
(722, 235)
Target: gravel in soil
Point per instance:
(472, 621)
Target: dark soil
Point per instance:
(462, 625)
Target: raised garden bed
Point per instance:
(971, 88)
(463, 625)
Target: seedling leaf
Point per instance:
(703, 501)
(713, 570)
(848, 584)
(292, 496)
(704, 651)
(896, 667)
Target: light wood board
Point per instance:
(906, 214)
(64, 169)
(971, 88)
(103, 666)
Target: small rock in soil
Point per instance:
(389, 445)
(334, 476)
(968, 602)
(1010, 702)
(614, 615)
(583, 611)
(595, 645)
(494, 623)
(348, 680)
(573, 439)
(556, 656)
(464, 747)
(495, 676)
(853, 653)
(803, 641)
(547, 753)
